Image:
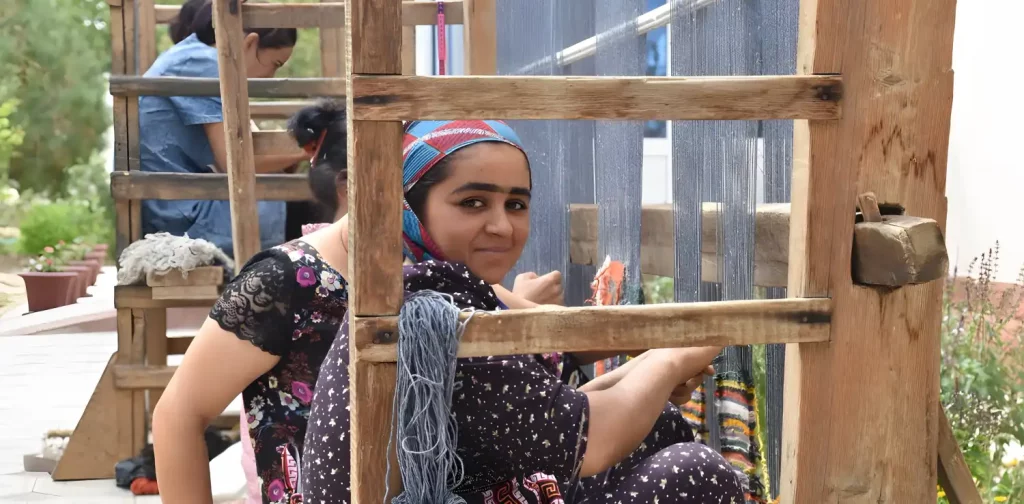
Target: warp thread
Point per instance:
(429, 332)
(163, 252)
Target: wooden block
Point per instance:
(203, 275)
(94, 446)
(404, 97)
(186, 293)
(896, 250)
(620, 328)
(140, 296)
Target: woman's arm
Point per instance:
(275, 163)
(622, 415)
(215, 369)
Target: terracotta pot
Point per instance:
(100, 257)
(92, 264)
(47, 290)
(84, 274)
(102, 247)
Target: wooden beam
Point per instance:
(245, 228)
(136, 377)
(954, 474)
(392, 98)
(657, 242)
(313, 87)
(281, 16)
(139, 296)
(480, 36)
(622, 328)
(204, 186)
(871, 438)
(276, 109)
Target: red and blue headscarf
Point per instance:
(427, 143)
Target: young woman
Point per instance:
(523, 436)
(266, 338)
(185, 134)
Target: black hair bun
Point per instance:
(308, 124)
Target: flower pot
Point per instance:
(94, 268)
(84, 274)
(101, 247)
(47, 290)
(99, 257)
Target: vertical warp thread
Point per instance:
(429, 332)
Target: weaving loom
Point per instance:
(736, 164)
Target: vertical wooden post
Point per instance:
(146, 14)
(374, 31)
(332, 51)
(122, 208)
(234, 92)
(480, 36)
(861, 411)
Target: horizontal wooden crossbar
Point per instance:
(203, 186)
(276, 109)
(314, 87)
(400, 97)
(618, 328)
(323, 15)
(138, 296)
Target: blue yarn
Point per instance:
(428, 341)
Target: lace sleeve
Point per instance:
(256, 305)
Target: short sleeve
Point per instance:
(195, 110)
(257, 305)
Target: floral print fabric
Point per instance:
(290, 303)
(522, 431)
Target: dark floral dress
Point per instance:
(290, 303)
(522, 431)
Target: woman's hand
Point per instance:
(684, 392)
(545, 289)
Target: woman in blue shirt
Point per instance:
(185, 134)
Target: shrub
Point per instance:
(45, 224)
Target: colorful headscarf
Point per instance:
(427, 143)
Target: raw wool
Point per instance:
(163, 252)
(54, 443)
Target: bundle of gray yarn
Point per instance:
(162, 252)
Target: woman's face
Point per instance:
(480, 214)
(263, 63)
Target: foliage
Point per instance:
(982, 376)
(11, 134)
(73, 251)
(48, 223)
(53, 56)
(49, 261)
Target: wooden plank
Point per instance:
(374, 46)
(139, 296)
(204, 186)
(241, 169)
(954, 474)
(203, 275)
(480, 36)
(332, 48)
(140, 377)
(146, 42)
(657, 242)
(94, 447)
(276, 109)
(263, 16)
(392, 98)
(156, 349)
(621, 328)
(872, 438)
(138, 357)
(312, 87)
(185, 293)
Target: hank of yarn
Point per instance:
(428, 340)
(163, 252)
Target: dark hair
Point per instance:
(181, 27)
(196, 16)
(417, 196)
(330, 168)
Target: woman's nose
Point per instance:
(499, 224)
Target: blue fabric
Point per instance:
(172, 139)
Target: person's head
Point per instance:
(467, 195)
(322, 131)
(265, 49)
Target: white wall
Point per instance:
(985, 182)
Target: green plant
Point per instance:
(49, 261)
(48, 223)
(982, 376)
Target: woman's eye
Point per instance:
(516, 205)
(473, 203)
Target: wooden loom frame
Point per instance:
(896, 90)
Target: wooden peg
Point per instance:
(896, 250)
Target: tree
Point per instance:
(53, 58)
